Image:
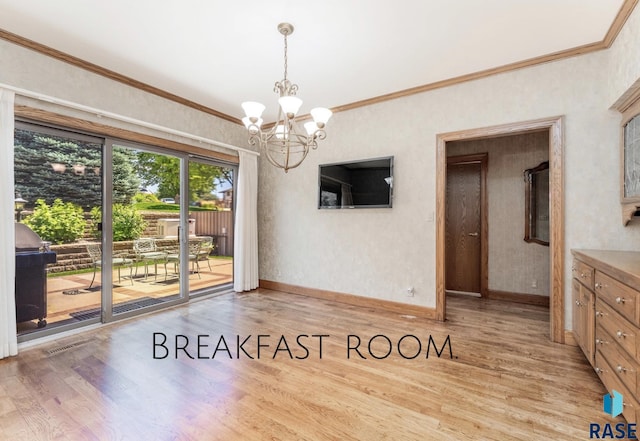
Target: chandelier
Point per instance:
(285, 143)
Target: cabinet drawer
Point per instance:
(584, 273)
(624, 366)
(619, 296)
(623, 332)
(611, 381)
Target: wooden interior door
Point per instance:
(463, 225)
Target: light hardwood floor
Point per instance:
(505, 382)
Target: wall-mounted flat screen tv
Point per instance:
(357, 184)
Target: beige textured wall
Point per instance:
(26, 69)
(513, 263)
(624, 64)
(379, 253)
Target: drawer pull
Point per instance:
(598, 370)
(578, 303)
(599, 314)
(620, 300)
(600, 341)
(598, 285)
(583, 275)
(621, 369)
(620, 334)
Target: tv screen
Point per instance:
(357, 184)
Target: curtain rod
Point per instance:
(102, 113)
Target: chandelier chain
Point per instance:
(285, 56)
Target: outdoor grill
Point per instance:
(32, 257)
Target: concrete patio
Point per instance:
(69, 296)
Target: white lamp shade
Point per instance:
(310, 127)
(290, 104)
(253, 109)
(321, 115)
(281, 132)
(247, 122)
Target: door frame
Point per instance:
(482, 159)
(554, 125)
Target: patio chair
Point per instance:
(194, 249)
(147, 252)
(95, 252)
(206, 247)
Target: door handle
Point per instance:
(473, 234)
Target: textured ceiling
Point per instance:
(220, 53)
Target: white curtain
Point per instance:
(245, 249)
(8, 338)
(347, 197)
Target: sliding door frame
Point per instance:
(233, 166)
(109, 136)
(107, 234)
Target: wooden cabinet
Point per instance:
(629, 106)
(583, 308)
(609, 335)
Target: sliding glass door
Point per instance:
(123, 228)
(58, 183)
(211, 209)
(147, 230)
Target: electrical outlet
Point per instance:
(410, 291)
(534, 284)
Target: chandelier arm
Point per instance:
(254, 140)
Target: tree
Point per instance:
(125, 179)
(164, 172)
(78, 178)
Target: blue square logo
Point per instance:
(612, 404)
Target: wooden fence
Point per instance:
(218, 224)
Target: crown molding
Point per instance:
(78, 62)
(618, 23)
(621, 18)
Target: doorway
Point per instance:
(466, 224)
(554, 127)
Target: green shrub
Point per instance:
(62, 222)
(128, 223)
(145, 197)
(211, 205)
